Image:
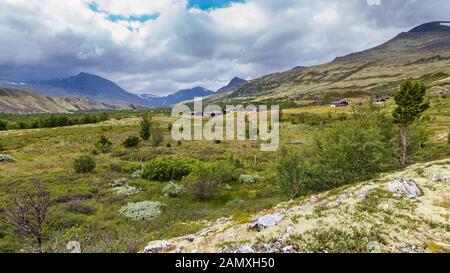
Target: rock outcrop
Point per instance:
(407, 187)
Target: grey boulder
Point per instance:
(406, 187)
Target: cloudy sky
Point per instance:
(160, 46)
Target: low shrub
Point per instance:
(168, 168)
(126, 190)
(131, 167)
(131, 142)
(103, 144)
(172, 189)
(81, 208)
(137, 174)
(203, 182)
(146, 210)
(121, 187)
(118, 183)
(248, 179)
(84, 164)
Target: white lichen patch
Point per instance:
(364, 217)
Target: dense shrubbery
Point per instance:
(10, 122)
(348, 151)
(314, 119)
(168, 168)
(146, 210)
(131, 142)
(84, 164)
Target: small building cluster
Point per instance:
(381, 100)
(340, 103)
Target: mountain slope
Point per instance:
(179, 96)
(91, 86)
(234, 84)
(423, 53)
(13, 101)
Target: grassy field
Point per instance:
(84, 204)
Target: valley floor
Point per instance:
(363, 217)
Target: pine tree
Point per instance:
(145, 127)
(411, 104)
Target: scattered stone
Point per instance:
(190, 239)
(288, 249)
(314, 199)
(374, 247)
(7, 158)
(409, 248)
(363, 196)
(227, 187)
(206, 231)
(245, 249)
(406, 187)
(266, 221)
(343, 198)
(228, 235)
(158, 247)
(73, 247)
(437, 178)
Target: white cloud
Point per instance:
(184, 48)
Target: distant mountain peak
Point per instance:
(437, 26)
(234, 84)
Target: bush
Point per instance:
(80, 207)
(137, 173)
(131, 142)
(84, 164)
(1, 147)
(168, 168)
(145, 127)
(157, 135)
(146, 210)
(131, 167)
(103, 144)
(203, 182)
(348, 151)
(172, 189)
(7, 158)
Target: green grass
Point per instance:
(83, 204)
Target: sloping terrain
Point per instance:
(86, 85)
(14, 101)
(422, 53)
(364, 217)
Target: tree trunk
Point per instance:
(405, 140)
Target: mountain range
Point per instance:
(102, 90)
(422, 53)
(14, 101)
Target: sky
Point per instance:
(161, 46)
